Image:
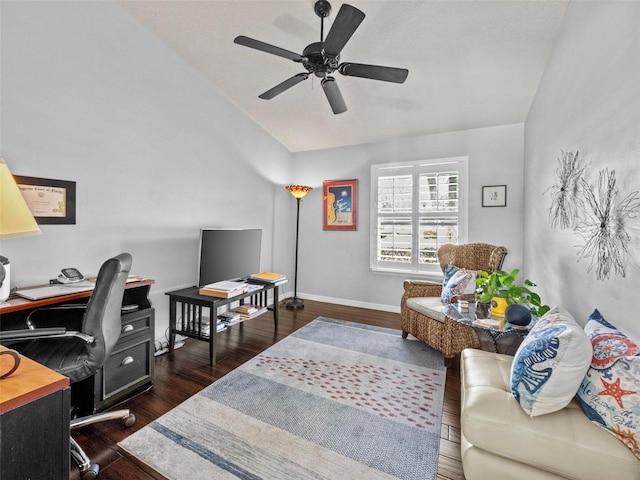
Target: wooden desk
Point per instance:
(16, 304)
(34, 423)
(130, 368)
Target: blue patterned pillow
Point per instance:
(449, 270)
(610, 391)
(461, 282)
(550, 363)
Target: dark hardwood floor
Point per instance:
(187, 371)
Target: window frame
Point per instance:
(415, 169)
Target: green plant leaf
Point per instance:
(503, 284)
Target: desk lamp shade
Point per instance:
(298, 191)
(16, 221)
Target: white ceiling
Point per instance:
(471, 64)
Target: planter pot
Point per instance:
(498, 306)
(482, 310)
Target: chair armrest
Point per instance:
(420, 288)
(61, 308)
(32, 334)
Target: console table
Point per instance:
(195, 309)
(34, 415)
(130, 367)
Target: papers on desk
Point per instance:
(57, 290)
(228, 289)
(226, 286)
(60, 289)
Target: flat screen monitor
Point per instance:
(228, 254)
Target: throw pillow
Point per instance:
(550, 363)
(449, 270)
(461, 282)
(610, 391)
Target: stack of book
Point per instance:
(489, 323)
(224, 289)
(220, 325)
(229, 316)
(268, 278)
(247, 311)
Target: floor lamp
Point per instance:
(16, 220)
(298, 191)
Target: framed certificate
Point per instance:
(50, 201)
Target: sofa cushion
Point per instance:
(462, 282)
(562, 444)
(429, 306)
(550, 363)
(610, 391)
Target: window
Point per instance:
(416, 207)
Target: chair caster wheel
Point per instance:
(128, 421)
(91, 472)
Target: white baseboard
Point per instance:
(344, 301)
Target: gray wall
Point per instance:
(89, 95)
(334, 265)
(588, 100)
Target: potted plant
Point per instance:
(499, 289)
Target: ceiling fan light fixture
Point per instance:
(323, 58)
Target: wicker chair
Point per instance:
(442, 333)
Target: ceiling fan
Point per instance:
(323, 58)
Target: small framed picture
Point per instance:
(494, 196)
(339, 205)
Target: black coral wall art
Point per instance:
(605, 224)
(599, 213)
(566, 195)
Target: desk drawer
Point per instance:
(133, 323)
(128, 366)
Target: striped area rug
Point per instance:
(334, 400)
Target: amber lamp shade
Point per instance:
(298, 191)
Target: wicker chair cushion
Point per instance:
(429, 306)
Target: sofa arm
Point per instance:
(420, 288)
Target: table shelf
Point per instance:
(190, 312)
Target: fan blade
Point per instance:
(333, 94)
(345, 24)
(265, 47)
(375, 72)
(287, 84)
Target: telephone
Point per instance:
(70, 275)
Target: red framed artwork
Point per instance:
(340, 204)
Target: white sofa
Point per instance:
(500, 441)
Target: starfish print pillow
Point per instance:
(610, 391)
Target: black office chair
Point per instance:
(79, 355)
